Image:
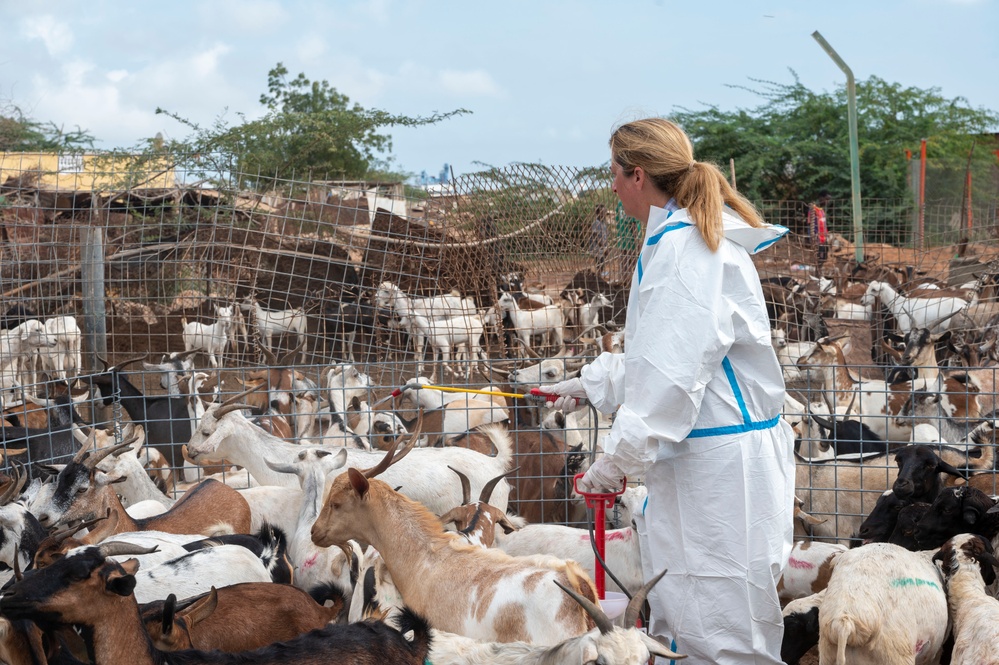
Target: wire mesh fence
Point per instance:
(325, 296)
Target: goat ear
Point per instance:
(449, 516)
(355, 404)
(169, 608)
(507, 525)
(123, 584)
(944, 467)
(201, 609)
(358, 482)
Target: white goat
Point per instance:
(447, 334)
(530, 322)
(198, 571)
(808, 569)
(211, 339)
(17, 347)
(63, 359)
(314, 566)
(423, 475)
(884, 605)
(277, 322)
(915, 312)
(589, 313)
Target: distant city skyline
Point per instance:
(546, 81)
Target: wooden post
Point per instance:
(731, 168)
(95, 339)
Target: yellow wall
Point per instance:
(84, 172)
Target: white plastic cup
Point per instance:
(614, 604)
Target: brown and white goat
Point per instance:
(88, 590)
(483, 594)
(237, 618)
(477, 522)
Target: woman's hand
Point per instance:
(570, 395)
(602, 476)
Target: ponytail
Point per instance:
(666, 154)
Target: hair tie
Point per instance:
(690, 167)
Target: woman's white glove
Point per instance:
(602, 476)
(570, 395)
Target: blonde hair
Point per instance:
(666, 155)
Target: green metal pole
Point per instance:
(851, 106)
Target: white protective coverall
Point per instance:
(698, 393)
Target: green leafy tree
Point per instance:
(309, 131)
(796, 142)
(22, 134)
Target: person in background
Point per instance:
(818, 231)
(599, 244)
(697, 395)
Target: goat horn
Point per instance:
(82, 397)
(657, 648)
(466, 487)
(638, 600)
(15, 487)
(60, 536)
(121, 548)
(38, 401)
(85, 447)
(487, 489)
(286, 358)
(95, 457)
(527, 347)
(936, 323)
(17, 566)
(823, 422)
(9, 452)
(389, 459)
(573, 363)
(268, 354)
(597, 614)
(118, 367)
(181, 355)
(233, 403)
(504, 373)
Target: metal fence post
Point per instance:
(92, 278)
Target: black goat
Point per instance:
(852, 437)
(957, 510)
(89, 590)
(165, 417)
(878, 526)
(919, 469)
(801, 628)
(55, 444)
(904, 534)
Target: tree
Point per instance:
(21, 134)
(309, 131)
(795, 144)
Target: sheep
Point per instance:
(90, 591)
(808, 569)
(225, 434)
(883, 606)
(969, 566)
(605, 644)
(236, 618)
(213, 338)
(849, 491)
(270, 322)
(489, 595)
(957, 510)
(801, 627)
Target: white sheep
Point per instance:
(884, 605)
(969, 564)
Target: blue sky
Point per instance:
(546, 81)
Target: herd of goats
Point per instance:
(304, 520)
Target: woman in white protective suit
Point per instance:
(698, 393)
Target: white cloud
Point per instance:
(477, 83)
(117, 75)
(56, 35)
(206, 63)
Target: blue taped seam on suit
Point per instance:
(733, 429)
(740, 400)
